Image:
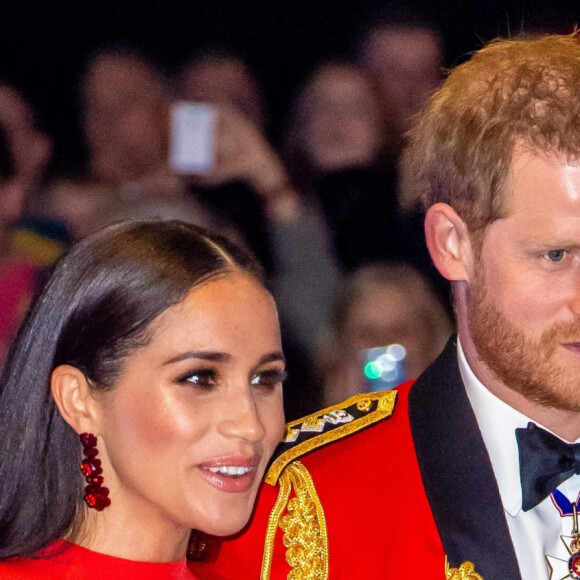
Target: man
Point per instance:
(217, 76)
(434, 490)
(405, 55)
(124, 102)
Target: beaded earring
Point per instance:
(96, 494)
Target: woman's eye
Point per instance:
(555, 255)
(269, 379)
(202, 378)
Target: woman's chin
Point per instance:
(224, 529)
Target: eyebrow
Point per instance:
(272, 357)
(221, 357)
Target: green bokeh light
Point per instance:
(372, 370)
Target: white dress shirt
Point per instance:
(536, 533)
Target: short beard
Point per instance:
(523, 365)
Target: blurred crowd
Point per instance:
(324, 208)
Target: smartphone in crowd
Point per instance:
(383, 367)
(192, 137)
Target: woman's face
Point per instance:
(187, 432)
(343, 129)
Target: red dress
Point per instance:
(65, 561)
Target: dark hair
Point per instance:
(95, 310)
(408, 15)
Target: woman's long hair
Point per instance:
(94, 311)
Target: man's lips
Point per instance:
(230, 474)
(572, 346)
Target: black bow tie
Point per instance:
(545, 462)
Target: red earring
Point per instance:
(96, 494)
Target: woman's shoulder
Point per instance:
(65, 561)
(27, 569)
(49, 563)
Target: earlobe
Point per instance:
(72, 396)
(449, 242)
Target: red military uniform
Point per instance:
(378, 496)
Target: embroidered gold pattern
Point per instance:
(290, 435)
(364, 404)
(313, 424)
(304, 527)
(273, 521)
(385, 402)
(465, 572)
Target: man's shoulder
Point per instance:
(336, 429)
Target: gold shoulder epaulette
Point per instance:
(328, 425)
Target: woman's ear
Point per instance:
(72, 395)
(449, 242)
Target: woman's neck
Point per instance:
(104, 533)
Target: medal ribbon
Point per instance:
(562, 503)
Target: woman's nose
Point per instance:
(241, 419)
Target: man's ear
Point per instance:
(72, 394)
(449, 242)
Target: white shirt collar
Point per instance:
(539, 531)
(497, 422)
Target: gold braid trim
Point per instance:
(385, 402)
(304, 527)
(465, 572)
(273, 520)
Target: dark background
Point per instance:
(44, 44)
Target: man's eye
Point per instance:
(556, 255)
(269, 379)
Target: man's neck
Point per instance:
(565, 424)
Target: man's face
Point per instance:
(124, 116)
(523, 304)
(406, 61)
(344, 120)
(224, 81)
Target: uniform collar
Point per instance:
(497, 422)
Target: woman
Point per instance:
(337, 122)
(152, 359)
(340, 154)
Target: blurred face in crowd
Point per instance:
(343, 124)
(523, 303)
(16, 129)
(25, 153)
(187, 432)
(224, 81)
(383, 315)
(124, 117)
(12, 195)
(406, 62)
(30, 148)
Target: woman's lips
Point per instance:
(233, 474)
